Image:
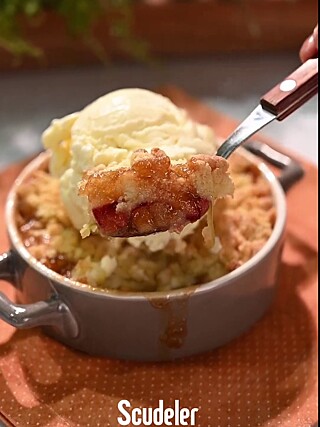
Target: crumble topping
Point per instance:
(243, 224)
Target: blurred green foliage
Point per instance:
(79, 16)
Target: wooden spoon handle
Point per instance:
(294, 91)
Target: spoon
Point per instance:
(278, 103)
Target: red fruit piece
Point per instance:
(109, 220)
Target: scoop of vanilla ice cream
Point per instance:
(105, 134)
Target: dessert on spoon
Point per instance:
(154, 195)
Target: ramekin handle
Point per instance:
(291, 170)
(53, 312)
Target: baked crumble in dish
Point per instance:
(153, 195)
(242, 223)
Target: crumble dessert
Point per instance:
(243, 224)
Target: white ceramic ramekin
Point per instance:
(141, 326)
